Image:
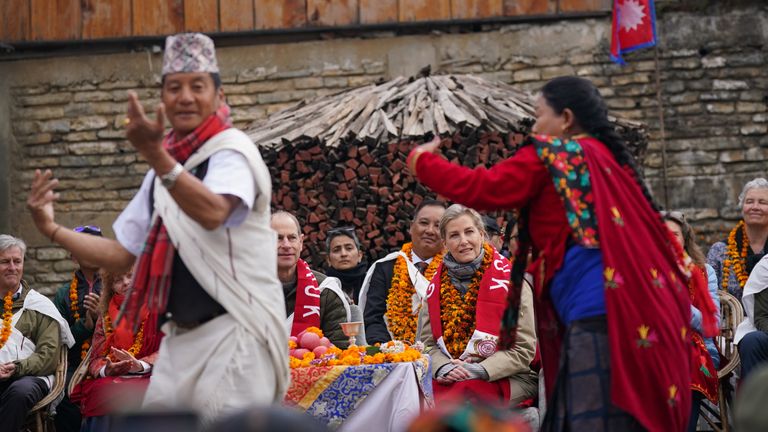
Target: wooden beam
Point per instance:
(424, 10)
(272, 14)
(332, 12)
(529, 7)
(106, 18)
(55, 20)
(14, 20)
(475, 9)
(584, 5)
(236, 15)
(378, 11)
(201, 15)
(157, 17)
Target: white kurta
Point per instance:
(238, 359)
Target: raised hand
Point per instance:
(40, 201)
(91, 303)
(431, 146)
(144, 134)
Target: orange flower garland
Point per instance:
(73, 298)
(7, 318)
(138, 340)
(735, 260)
(354, 356)
(400, 319)
(457, 312)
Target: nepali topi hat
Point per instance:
(189, 52)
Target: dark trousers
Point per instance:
(17, 397)
(68, 416)
(753, 351)
(695, 404)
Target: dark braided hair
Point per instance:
(591, 113)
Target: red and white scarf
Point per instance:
(491, 302)
(152, 279)
(306, 311)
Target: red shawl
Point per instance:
(306, 311)
(152, 279)
(703, 373)
(491, 302)
(100, 396)
(647, 302)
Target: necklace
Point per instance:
(400, 317)
(7, 318)
(138, 340)
(457, 312)
(734, 259)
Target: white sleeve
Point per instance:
(132, 226)
(230, 174)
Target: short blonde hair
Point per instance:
(456, 211)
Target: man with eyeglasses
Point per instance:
(78, 302)
(198, 233)
(311, 298)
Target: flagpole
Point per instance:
(662, 129)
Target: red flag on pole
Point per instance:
(634, 27)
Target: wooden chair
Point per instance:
(731, 315)
(40, 417)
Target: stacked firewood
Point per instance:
(340, 160)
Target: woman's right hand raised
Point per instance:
(40, 201)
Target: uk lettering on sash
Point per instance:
(306, 311)
(491, 301)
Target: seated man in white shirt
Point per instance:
(32, 334)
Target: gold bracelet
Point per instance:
(53, 234)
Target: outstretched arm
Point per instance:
(509, 184)
(104, 252)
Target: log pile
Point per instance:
(340, 160)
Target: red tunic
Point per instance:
(646, 314)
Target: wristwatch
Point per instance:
(169, 180)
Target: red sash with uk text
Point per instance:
(306, 311)
(491, 302)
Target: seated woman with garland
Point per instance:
(462, 316)
(115, 373)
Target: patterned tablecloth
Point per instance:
(382, 396)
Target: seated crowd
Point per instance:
(447, 288)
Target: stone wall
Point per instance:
(65, 113)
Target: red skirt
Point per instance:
(474, 390)
(103, 396)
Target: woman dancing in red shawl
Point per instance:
(119, 364)
(611, 298)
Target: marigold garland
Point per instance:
(734, 259)
(74, 298)
(457, 312)
(138, 339)
(400, 318)
(7, 318)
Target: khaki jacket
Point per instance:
(513, 364)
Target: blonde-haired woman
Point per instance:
(460, 323)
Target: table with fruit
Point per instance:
(336, 385)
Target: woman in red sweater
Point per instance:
(612, 307)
